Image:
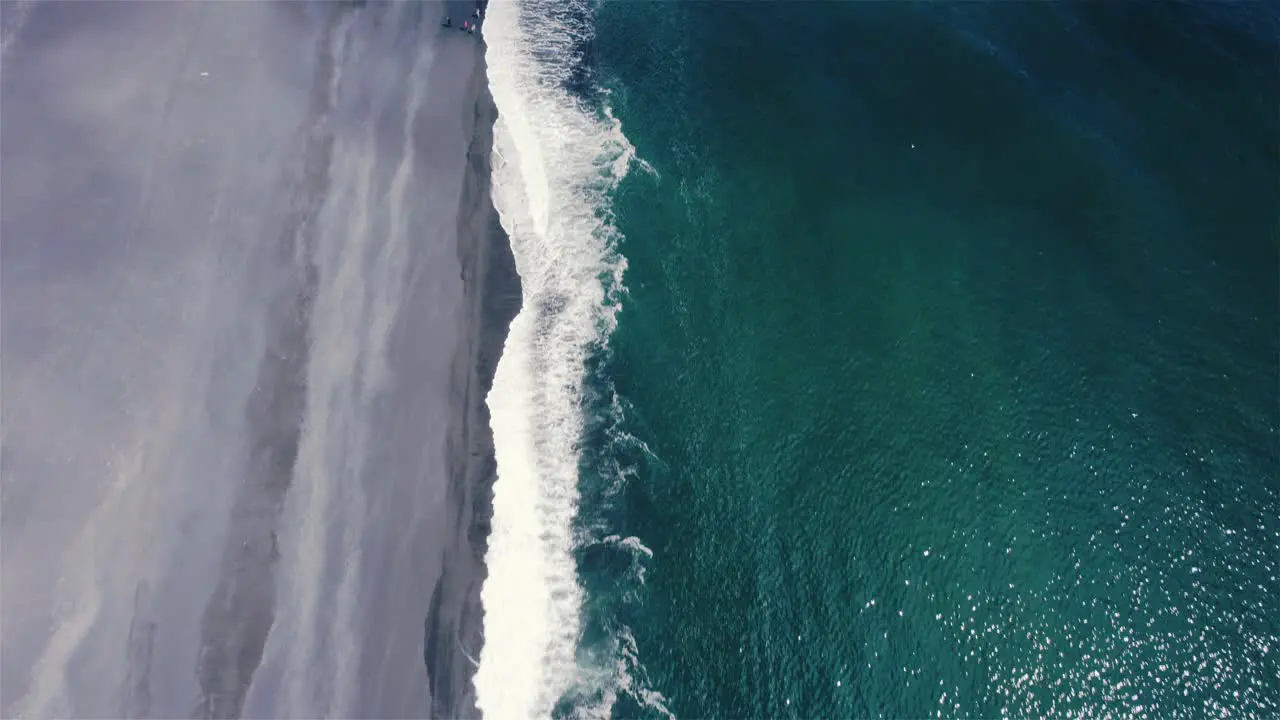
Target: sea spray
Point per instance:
(556, 160)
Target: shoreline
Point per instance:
(492, 297)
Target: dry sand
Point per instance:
(252, 294)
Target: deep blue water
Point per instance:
(945, 382)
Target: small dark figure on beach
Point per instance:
(471, 29)
(447, 21)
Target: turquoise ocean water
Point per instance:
(944, 381)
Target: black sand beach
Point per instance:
(253, 296)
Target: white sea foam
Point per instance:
(556, 160)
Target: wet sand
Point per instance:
(454, 634)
